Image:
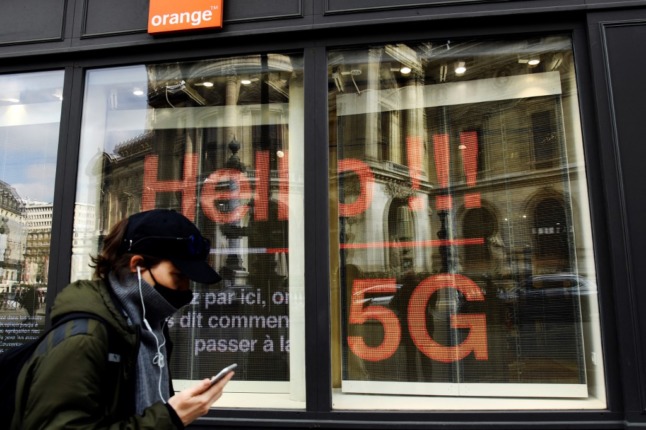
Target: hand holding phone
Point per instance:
(222, 373)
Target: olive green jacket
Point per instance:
(85, 379)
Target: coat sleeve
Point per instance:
(67, 389)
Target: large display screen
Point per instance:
(221, 142)
(463, 262)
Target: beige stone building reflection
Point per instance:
(12, 237)
(202, 118)
(479, 174)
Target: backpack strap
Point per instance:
(120, 359)
(80, 325)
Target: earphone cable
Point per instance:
(158, 359)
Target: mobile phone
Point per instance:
(222, 373)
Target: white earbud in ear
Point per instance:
(143, 306)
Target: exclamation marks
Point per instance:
(469, 149)
(441, 152)
(414, 153)
(441, 149)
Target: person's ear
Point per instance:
(136, 260)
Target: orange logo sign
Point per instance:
(166, 16)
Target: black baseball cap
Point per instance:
(167, 234)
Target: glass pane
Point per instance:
(30, 113)
(220, 141)
(462, 253)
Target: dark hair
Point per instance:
(112, 258)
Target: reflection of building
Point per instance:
(120, 197)
(38, 217)
(84, 241)
(218, 153)
(258, 93)
(423, 139)
(123, 172)
(475, 176)
(11, 236)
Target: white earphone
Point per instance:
(143, 306)
(158, 358)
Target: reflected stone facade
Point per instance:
(38, 216)
(12, 236)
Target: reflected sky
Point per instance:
(30, 110)
(112, 114)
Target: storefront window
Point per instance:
(30, 114)
(462, 257)
(222, 142)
